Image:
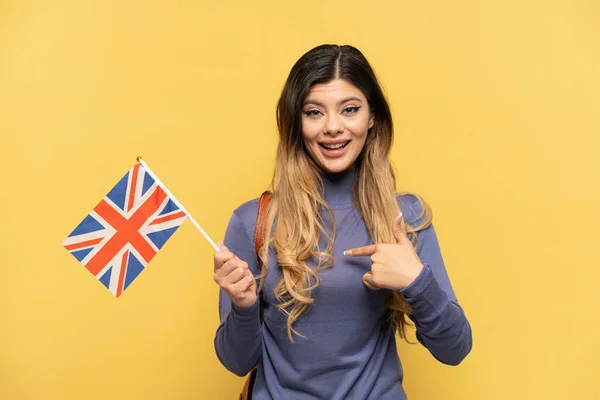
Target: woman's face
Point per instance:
(335, 122)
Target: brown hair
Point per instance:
(297, 185)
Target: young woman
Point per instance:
(347, 262)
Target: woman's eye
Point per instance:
(351, 109)
(312, 113)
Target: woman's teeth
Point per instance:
(334, 146)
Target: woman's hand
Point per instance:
(395, 266)
(234, 277)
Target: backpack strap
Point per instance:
(259, 231)
(259, 235)
(261, 216)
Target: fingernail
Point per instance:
(400, 215)
(347, 252)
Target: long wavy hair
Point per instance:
(294, 221)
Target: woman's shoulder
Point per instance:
(246, 214)
(241, 225)
(239, 234)
(415, 209)
(247, 211)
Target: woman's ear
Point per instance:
(371, 119)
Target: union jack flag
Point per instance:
(120, 236)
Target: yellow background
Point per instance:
(497, 109)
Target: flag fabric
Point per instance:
(119, 237)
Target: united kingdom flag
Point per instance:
(120, 236)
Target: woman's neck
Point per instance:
(337, 187)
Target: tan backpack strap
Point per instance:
(261, 220)
(259, 236)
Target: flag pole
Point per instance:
(162, 185)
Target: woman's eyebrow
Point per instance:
(318, 103)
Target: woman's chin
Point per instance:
(335, 166)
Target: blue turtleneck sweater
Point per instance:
(346, 352)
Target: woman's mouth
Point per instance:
(334, 146)
(334, 150)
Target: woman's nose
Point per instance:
(333, 125)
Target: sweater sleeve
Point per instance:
(441, 324)
(238, 338)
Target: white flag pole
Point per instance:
(162, 185)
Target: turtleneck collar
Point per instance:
(337, 188)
